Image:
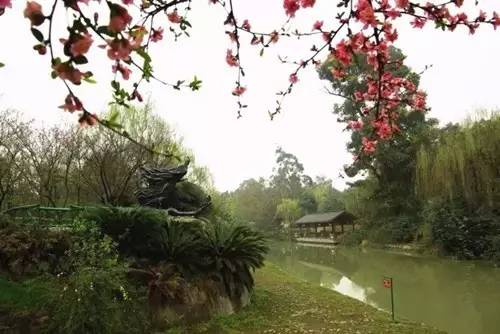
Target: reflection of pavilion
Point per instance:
(322, 227)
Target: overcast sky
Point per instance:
(464, 77)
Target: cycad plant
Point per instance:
(232, 252)
(151, 235)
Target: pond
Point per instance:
(460, 297)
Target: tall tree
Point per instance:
(288, 175)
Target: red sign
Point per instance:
(387, 283)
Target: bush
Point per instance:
(26, 250)
(460, 232)
(494, 251)
(354, 238)
(95, 295)
(151, 235)
(393, 230)
(231, 252)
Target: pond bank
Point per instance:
(285, 304)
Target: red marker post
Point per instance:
(388, 285)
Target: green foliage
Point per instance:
(494, 251)
(288, 211)
(354, 238)
(464, 163)
(26, 250)
(289, 178)
(28, 295)
(150, 234)
(95, 295)
(232, 252)
(393, 230)
(308, 203)
(461, 232)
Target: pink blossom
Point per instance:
(369, 146)
(157, 35)
(231, 59)
(342, 53)
(365, 13)
(71, 104)
(174, 17)
(119, 19)
(274, 37)
(246, 25)
(355, 125)
(293, 78)
(418, 23)
(338, 73)
(419, 101)
(124, 71)
(33, 12)
(82, 45)
(291, 7)
(496, 20)
(384, 130)
(307, 3)
(238, 91)
(318, 25)
(5, 4)
(119, 49)
(66, 71)
(393, 13)
(87, 119)
(403, 4)
(127, 2)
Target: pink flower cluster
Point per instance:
(292, 6)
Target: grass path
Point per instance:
(284, 304)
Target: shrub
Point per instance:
(232, 251)
(152, 235)
(460, 232)
(95, 295)
(398, 229)
(494, 251)
(354, 238)
(26, 250)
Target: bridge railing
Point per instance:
(43, 215)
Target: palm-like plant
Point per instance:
(232, 251)
(152, 235)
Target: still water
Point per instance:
(460, 297)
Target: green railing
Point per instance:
(36, 213)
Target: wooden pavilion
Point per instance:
(324, 225)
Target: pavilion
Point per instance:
(324, 225)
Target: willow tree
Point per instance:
(464, 164)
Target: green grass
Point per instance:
(23, 296)
(284, 304)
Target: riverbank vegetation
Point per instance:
(284, 304)
(77, 253)
(434, 187)
(115, 270)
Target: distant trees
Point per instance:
(286, 195)
(458, 180)
(288, 211)
(58, 166)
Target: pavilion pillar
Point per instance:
(316, 230)
(342, 227)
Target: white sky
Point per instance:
(464, 77)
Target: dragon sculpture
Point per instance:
(166, 188)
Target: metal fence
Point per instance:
(48, 216)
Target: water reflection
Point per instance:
(459, 297)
